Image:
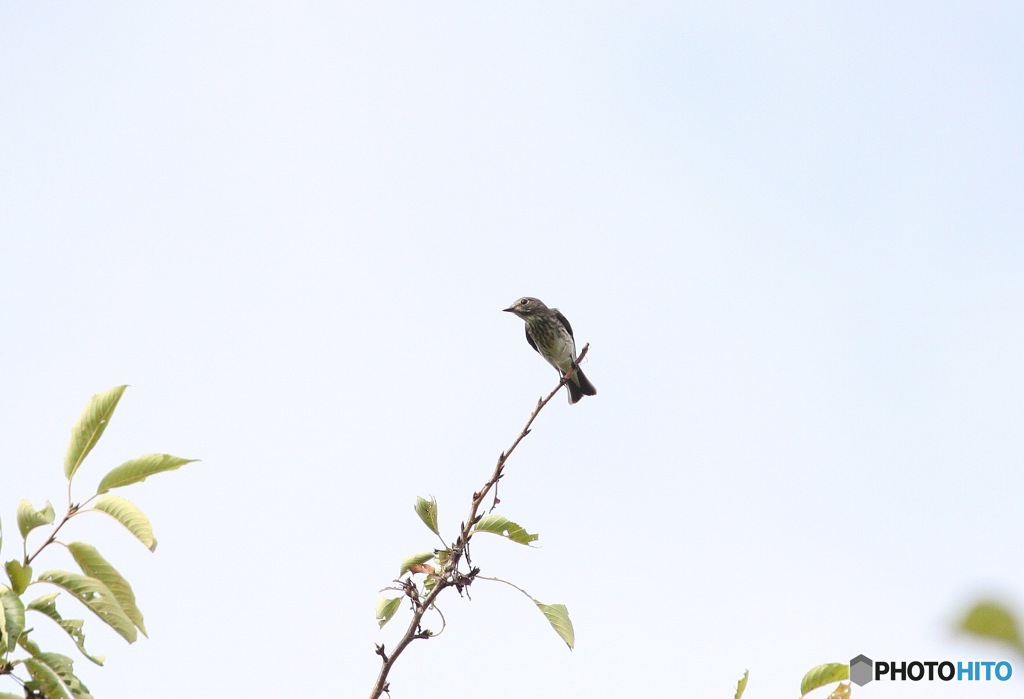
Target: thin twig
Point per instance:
(450, 577)
(478, 498)
(72, 511)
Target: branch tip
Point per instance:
(450, 575)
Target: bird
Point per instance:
(548, 332)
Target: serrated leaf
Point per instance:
(12, 619)
(97, 597)
(89, 428)
(386, 608)
(496, 524)
(20, 575)
(29, 517)
(426, 510)
(741, 686)
(55, 676)
(133, 519)
(137, 470)
(822, 675)
(47, 605)
(993, 621)
(415, 559)
(95, 566)
(558, 617)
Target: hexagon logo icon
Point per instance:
(861, 670)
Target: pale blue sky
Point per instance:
(792, 233)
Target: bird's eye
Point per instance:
(524, 302)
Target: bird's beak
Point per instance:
(510, 309)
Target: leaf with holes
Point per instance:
(502, 526)
(47, 605)
(12, 619)
(95, 566)
(52, 673)
(97, 597)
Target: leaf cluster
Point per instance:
(442, 566)
(96, 585)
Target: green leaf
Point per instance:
(140, 469)
(496, 524)
(54, 674)
(97, 597)
(741, 686)
(8, 695)
(20, 575)
(443, 556)
(29, 645)
(842, 691)
(95, 566)
(993, 621)
(29, 518)
(822, 675)
(427, 512)
(47, 605)
(125, 512)
(12, 619)
(558, 617)
(386, 609)
(89, 428)
(415, 559)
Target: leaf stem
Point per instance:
(72, 511)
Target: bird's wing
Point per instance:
(530, 339)
(564, 321)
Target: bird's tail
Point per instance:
(579, 385)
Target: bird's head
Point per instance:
(526, 306)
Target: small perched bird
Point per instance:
(550, 334)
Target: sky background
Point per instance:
(792, 233)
